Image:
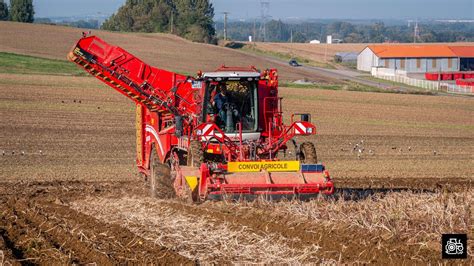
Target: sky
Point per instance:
(318, 9)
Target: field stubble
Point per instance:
(290, 232)
(44, 222)
(78, 131)
(71, 140)
(372, 136)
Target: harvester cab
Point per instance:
(221, 132)
(232, 101)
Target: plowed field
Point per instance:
(160, 50)
(69, 192)
(116, 222)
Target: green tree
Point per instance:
(22, 11)
(340, 29)
(299, 37)
(192, 19)
(161, 17)
(195, 20)
(377, 32)
(277, 31)
(357, 32)
(3, 10)
(354, 37)
(427, 36)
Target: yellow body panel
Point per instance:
(278, 166)
(192, 182)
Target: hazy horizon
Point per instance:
(281, 9)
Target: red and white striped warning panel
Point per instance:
(208, 130)
(300, 129)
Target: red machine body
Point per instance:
(233, 152)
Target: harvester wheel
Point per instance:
(307, 153)
(160, 181)
(195, 154)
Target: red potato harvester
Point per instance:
(221, 133)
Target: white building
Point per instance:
(417, 58)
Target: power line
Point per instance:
(225, 24)
(265, 14)
(416, 34)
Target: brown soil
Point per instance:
(315, 52)
(405, 136)
(161, 50)
(331, 241)
(70, 189)
(38, 227)
(94, 222)
(400, 136)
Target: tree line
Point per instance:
(191, 19)
(19, 11)
(378, 32)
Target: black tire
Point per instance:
(161, 185)
(308, 153)
(195, 154)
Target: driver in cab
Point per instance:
(219, 103)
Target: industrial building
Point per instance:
(417, 58)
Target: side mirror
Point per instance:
(303, 117)
(306, 117)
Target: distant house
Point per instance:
(315, 42)
(417, 58)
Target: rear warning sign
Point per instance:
(280, 166)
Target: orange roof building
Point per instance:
(412, 51)
(463, 51)
(417, 58)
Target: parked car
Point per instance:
(294, 63)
